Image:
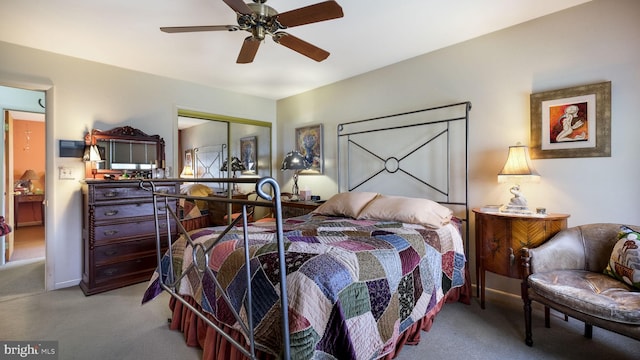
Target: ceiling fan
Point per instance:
(262, 20)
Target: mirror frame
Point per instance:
(127, 133)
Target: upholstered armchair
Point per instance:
(567, 273)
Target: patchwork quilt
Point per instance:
(353, 286)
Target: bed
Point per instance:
(361, 276)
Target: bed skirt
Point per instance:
(215, 346)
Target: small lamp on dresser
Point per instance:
(518, 168)
(27, 178)
(92, 154)
(236, 165)
(296, 162)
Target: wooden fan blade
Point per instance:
(326, 10)
(300, 46)
(239, 6)
(248, 51)
(181, 29)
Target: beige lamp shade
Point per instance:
(29, 175)
(518, 167)
(187, 172)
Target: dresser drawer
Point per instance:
(122, 193)
(110, 272)
(114, 232)
(112, 253)
(121, 211)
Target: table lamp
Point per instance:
(27, 177)
(187, 172)
(295, 161)
(517, 169)
(236, 165)
(92, 154)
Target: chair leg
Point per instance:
(527, 313)
(588, 330)
(547, 317)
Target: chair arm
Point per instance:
(564, 251)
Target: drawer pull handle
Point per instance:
(110, 252)
(111, 194)
(110, 232)
(110, 272)
(110, 212)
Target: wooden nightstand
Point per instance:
(297, 208)
(500, 236)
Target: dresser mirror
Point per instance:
(122, 150)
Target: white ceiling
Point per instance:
(372, 34)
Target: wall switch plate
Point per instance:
(65, 173)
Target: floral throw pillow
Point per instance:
(624, 263)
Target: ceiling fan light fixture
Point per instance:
(262, 20)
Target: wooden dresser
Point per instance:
(118, 232)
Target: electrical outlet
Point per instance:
(66, 173)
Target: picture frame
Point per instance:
(188, 160)
(309, 141)
(249, 155)
(571, 122)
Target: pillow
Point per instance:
(624, 263)
(407, 210)
(345, 204)
(197, 190)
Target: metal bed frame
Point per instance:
(350, 141)
(169, 284)
(430, 128)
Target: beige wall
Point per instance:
(83, 95)
(591, 43)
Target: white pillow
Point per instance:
(407, 210)
(346, 204)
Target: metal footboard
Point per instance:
(200, 255)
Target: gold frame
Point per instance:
(595, 140)
(317, 166)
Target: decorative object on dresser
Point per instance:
(296, 162)
(500, 238)
(118, 233)
(518, 168)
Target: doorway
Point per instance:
(24, 187)
(23, 179)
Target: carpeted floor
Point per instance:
(113, 325)
(21, 278)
